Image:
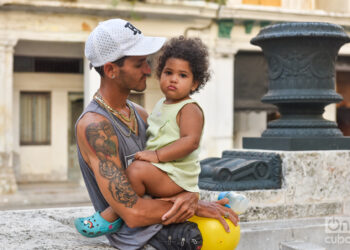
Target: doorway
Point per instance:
(75, 108)
(343, 108)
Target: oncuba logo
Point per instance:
(338, 230)
(337, 224)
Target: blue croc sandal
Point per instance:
(95, 225)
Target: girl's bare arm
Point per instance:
(190, 120)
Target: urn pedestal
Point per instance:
(301, 62)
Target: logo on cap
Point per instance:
(133, 28)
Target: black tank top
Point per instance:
(125, 238)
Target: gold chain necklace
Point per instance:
(116, 124)
(109, 109)
(99, 98)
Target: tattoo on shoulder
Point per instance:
(99, 136)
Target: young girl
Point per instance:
(169, 165)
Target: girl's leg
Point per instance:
(109, 215)
(144, 178)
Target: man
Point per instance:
(111, 130)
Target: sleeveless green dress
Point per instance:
(163, 130)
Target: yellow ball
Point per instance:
(214, 234)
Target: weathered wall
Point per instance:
(45, 162)
(248, 124)
(7, 177)
(315, 183)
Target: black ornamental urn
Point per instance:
(301, 63)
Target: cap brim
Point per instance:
(146, 46)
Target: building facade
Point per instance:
(45, 80)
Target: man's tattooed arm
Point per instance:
(100, 137)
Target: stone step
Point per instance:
(300, 245)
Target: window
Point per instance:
(48, 64)
(35, 122)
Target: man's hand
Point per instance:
(185, 205)
(147, 155)
(216, 210)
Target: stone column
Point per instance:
(216, 100)
(7, 177)
(91, 82)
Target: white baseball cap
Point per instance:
(116, 38)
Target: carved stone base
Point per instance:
(239, 170)
(314, 184)
(296, 144)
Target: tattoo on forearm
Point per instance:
(99, 137)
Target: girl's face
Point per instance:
(176, 80)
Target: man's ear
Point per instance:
(111, 70)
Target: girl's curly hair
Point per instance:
(192, 50)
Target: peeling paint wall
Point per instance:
(7, 177)
(46, 162)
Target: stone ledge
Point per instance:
(265, 205)
(46, 229)
(53, 229)
(300, 245)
